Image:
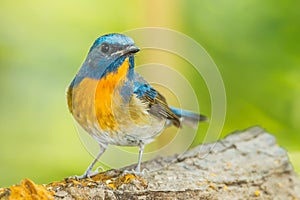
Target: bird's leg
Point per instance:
(89, 172)
(137, 170)
(138, 167)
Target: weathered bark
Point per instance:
(245, 165)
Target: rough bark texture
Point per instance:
(245, 165)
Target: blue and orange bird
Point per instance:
(115, 104)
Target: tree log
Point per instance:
(245, 165)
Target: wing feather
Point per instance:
(157, 104)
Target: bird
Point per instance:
(115, 104)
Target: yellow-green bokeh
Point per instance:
(255, 44)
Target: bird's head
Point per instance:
(107, 54)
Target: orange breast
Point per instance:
(92, 100)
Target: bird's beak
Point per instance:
(131, 50)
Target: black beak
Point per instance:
(131, 50)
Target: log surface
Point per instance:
(245, 165)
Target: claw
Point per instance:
(88, 174)
(135, 172)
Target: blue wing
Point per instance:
(157, 104)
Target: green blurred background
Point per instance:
(254, 43)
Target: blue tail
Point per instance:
(188, 118)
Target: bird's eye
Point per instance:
(104, 48)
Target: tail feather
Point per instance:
(188, 118)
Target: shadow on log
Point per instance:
(244, 165)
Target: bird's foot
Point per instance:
(88, 173)
(135, 172)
